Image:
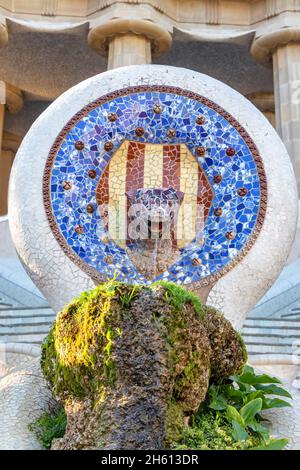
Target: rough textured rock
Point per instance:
(228, 349)
(131, 364)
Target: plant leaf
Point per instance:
(239, 433)
(251, 379)
(256, 394)
(218, 403)
(249, 410)
(262, 430)
(273, 444)
(274, 403)
(232, 414)
(249, 369)
(273, 389)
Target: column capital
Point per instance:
(263, 101)
(3, 35)
(14, 99)
(100, 36)
(11, 141)
(264, 45)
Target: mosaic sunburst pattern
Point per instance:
(155, 137)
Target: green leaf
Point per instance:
(233, 394)
(253, 395)
(232, 414)
(273, 389)
(218, 403)
(217, 400)
(257, 427)
(249, 369)
(239, 433)
(274, 403)
(249, 410)
(273, 444)
(251, 379)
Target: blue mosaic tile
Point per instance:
(240, 214)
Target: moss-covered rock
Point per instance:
(228, 350)
(131, 364)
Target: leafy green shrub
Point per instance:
(231, 418)
(49, 426)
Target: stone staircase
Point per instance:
(24, 317)
(272, 335)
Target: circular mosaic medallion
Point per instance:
(146, 143)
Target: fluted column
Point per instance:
(281, 49)
(129, 41)
(8, 142)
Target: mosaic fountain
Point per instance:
(154, 173)
(155, 138)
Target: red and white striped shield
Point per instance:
(138, 165)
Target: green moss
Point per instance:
(49, 426)
(178, 297)
(77, 353)
(244, 349)
(174, 422)
(211, 431)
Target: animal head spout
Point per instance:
(155, 208)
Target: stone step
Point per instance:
(32, 313)
(15, 295)
(272, 331)
(25, 329)
(272, 322)
(23, 321)
(31, 338)
(271, 340)
(268, 349)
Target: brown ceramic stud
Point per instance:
(242, 192)
(112, 117)
(66, 185)
(109, 259)
(140, 131)
(230, 152)
(218, 212)
(196, 262)
(90, 208)
(171, 133)
(105, 239)
(157, 108)
(230, 235)
(200, 120)
(108, 145)
(79, 229)
(79, 145)
(217, 179)
(200, 151)
(92, 174)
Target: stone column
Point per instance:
(129, 41)
(8, 142)
(10, 145)
(286, 68)
(282, 49)
(265, 103)
(128, 49)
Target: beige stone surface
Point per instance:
(129, 49)
(24, 397)
(286, 68)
